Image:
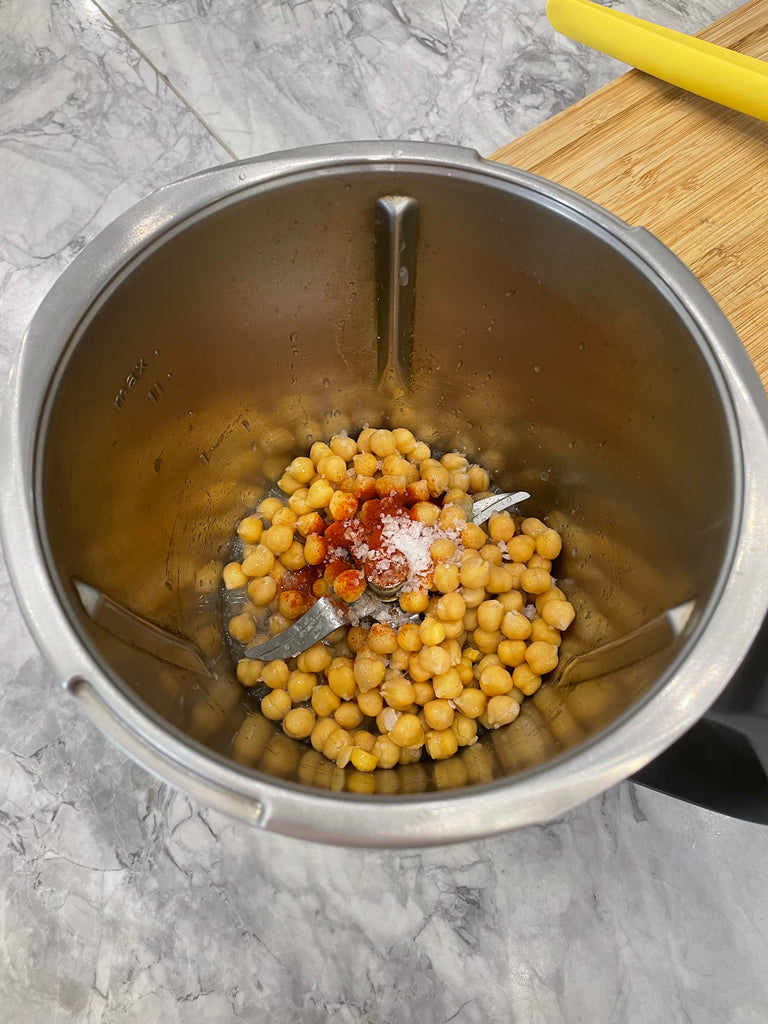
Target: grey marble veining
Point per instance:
(123, 901)
(278, 74)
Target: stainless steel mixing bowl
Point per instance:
(216, 329)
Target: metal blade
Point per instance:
(322, 618)
(627, 650)
(132, 629)
(483, 509)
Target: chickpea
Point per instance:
(414, 601)
(324, 701)
(341, 678)
(465, 730)
(292, 604)
(464, 668)
(417, 673)
(262, 590)
(349, 585)
(249, 671)
(532, 527)
(332, 468)
(541, 657)
(268, 507)
(526, 680)
(486, 642)
(284, 517)
(441, 743)
(337, 744)
(423, 693)
(489, 615)
(535, 581)
(425, 511)
(407, 732)
(512, 600)
(278, 538)
(343, 506)
(471, 703)
(511, 652)
(293, 559)
(259, 562)
(370, 703)
(537, 562)
(516, 626)
(383, 443)
(420, 452)
(344, 446)
(364, 740)
(452, 514)
(479, 479)
(451, 607)
(500, 580)
(438, 714)
(348, 714)
(300, 685)
(431, 631)
(541, 630)
(233, 576)
(495, 680)
(475, 573)
(548, 544)
(501, 526)
(275, 675)
(321, 731)
(558, 614)
(396, 465)
(250, 529)
(319, 494)
(382, 639)
(315, 549)
(473, 536)
(302, 469)
(316, 658)
(364, 762)
(446, 578)
(365, 464)
(408, 637)
(298, 723)
(521, 548)
(357, 637)
(369, 671)
(491, 553)
(502, 710)
(448, 685)
(386, 751)
(242, 628)
(436, 477)
(319, 450)
(310, 523)
(398, 693)
(298, 503)
(276, 705)
(434, 660)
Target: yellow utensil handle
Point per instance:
(711, 71)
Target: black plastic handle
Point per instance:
(722, 761)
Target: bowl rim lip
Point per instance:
(434, 816)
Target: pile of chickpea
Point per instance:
(490, 616)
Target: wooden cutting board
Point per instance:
(689, 170)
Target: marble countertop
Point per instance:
(122, 900)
